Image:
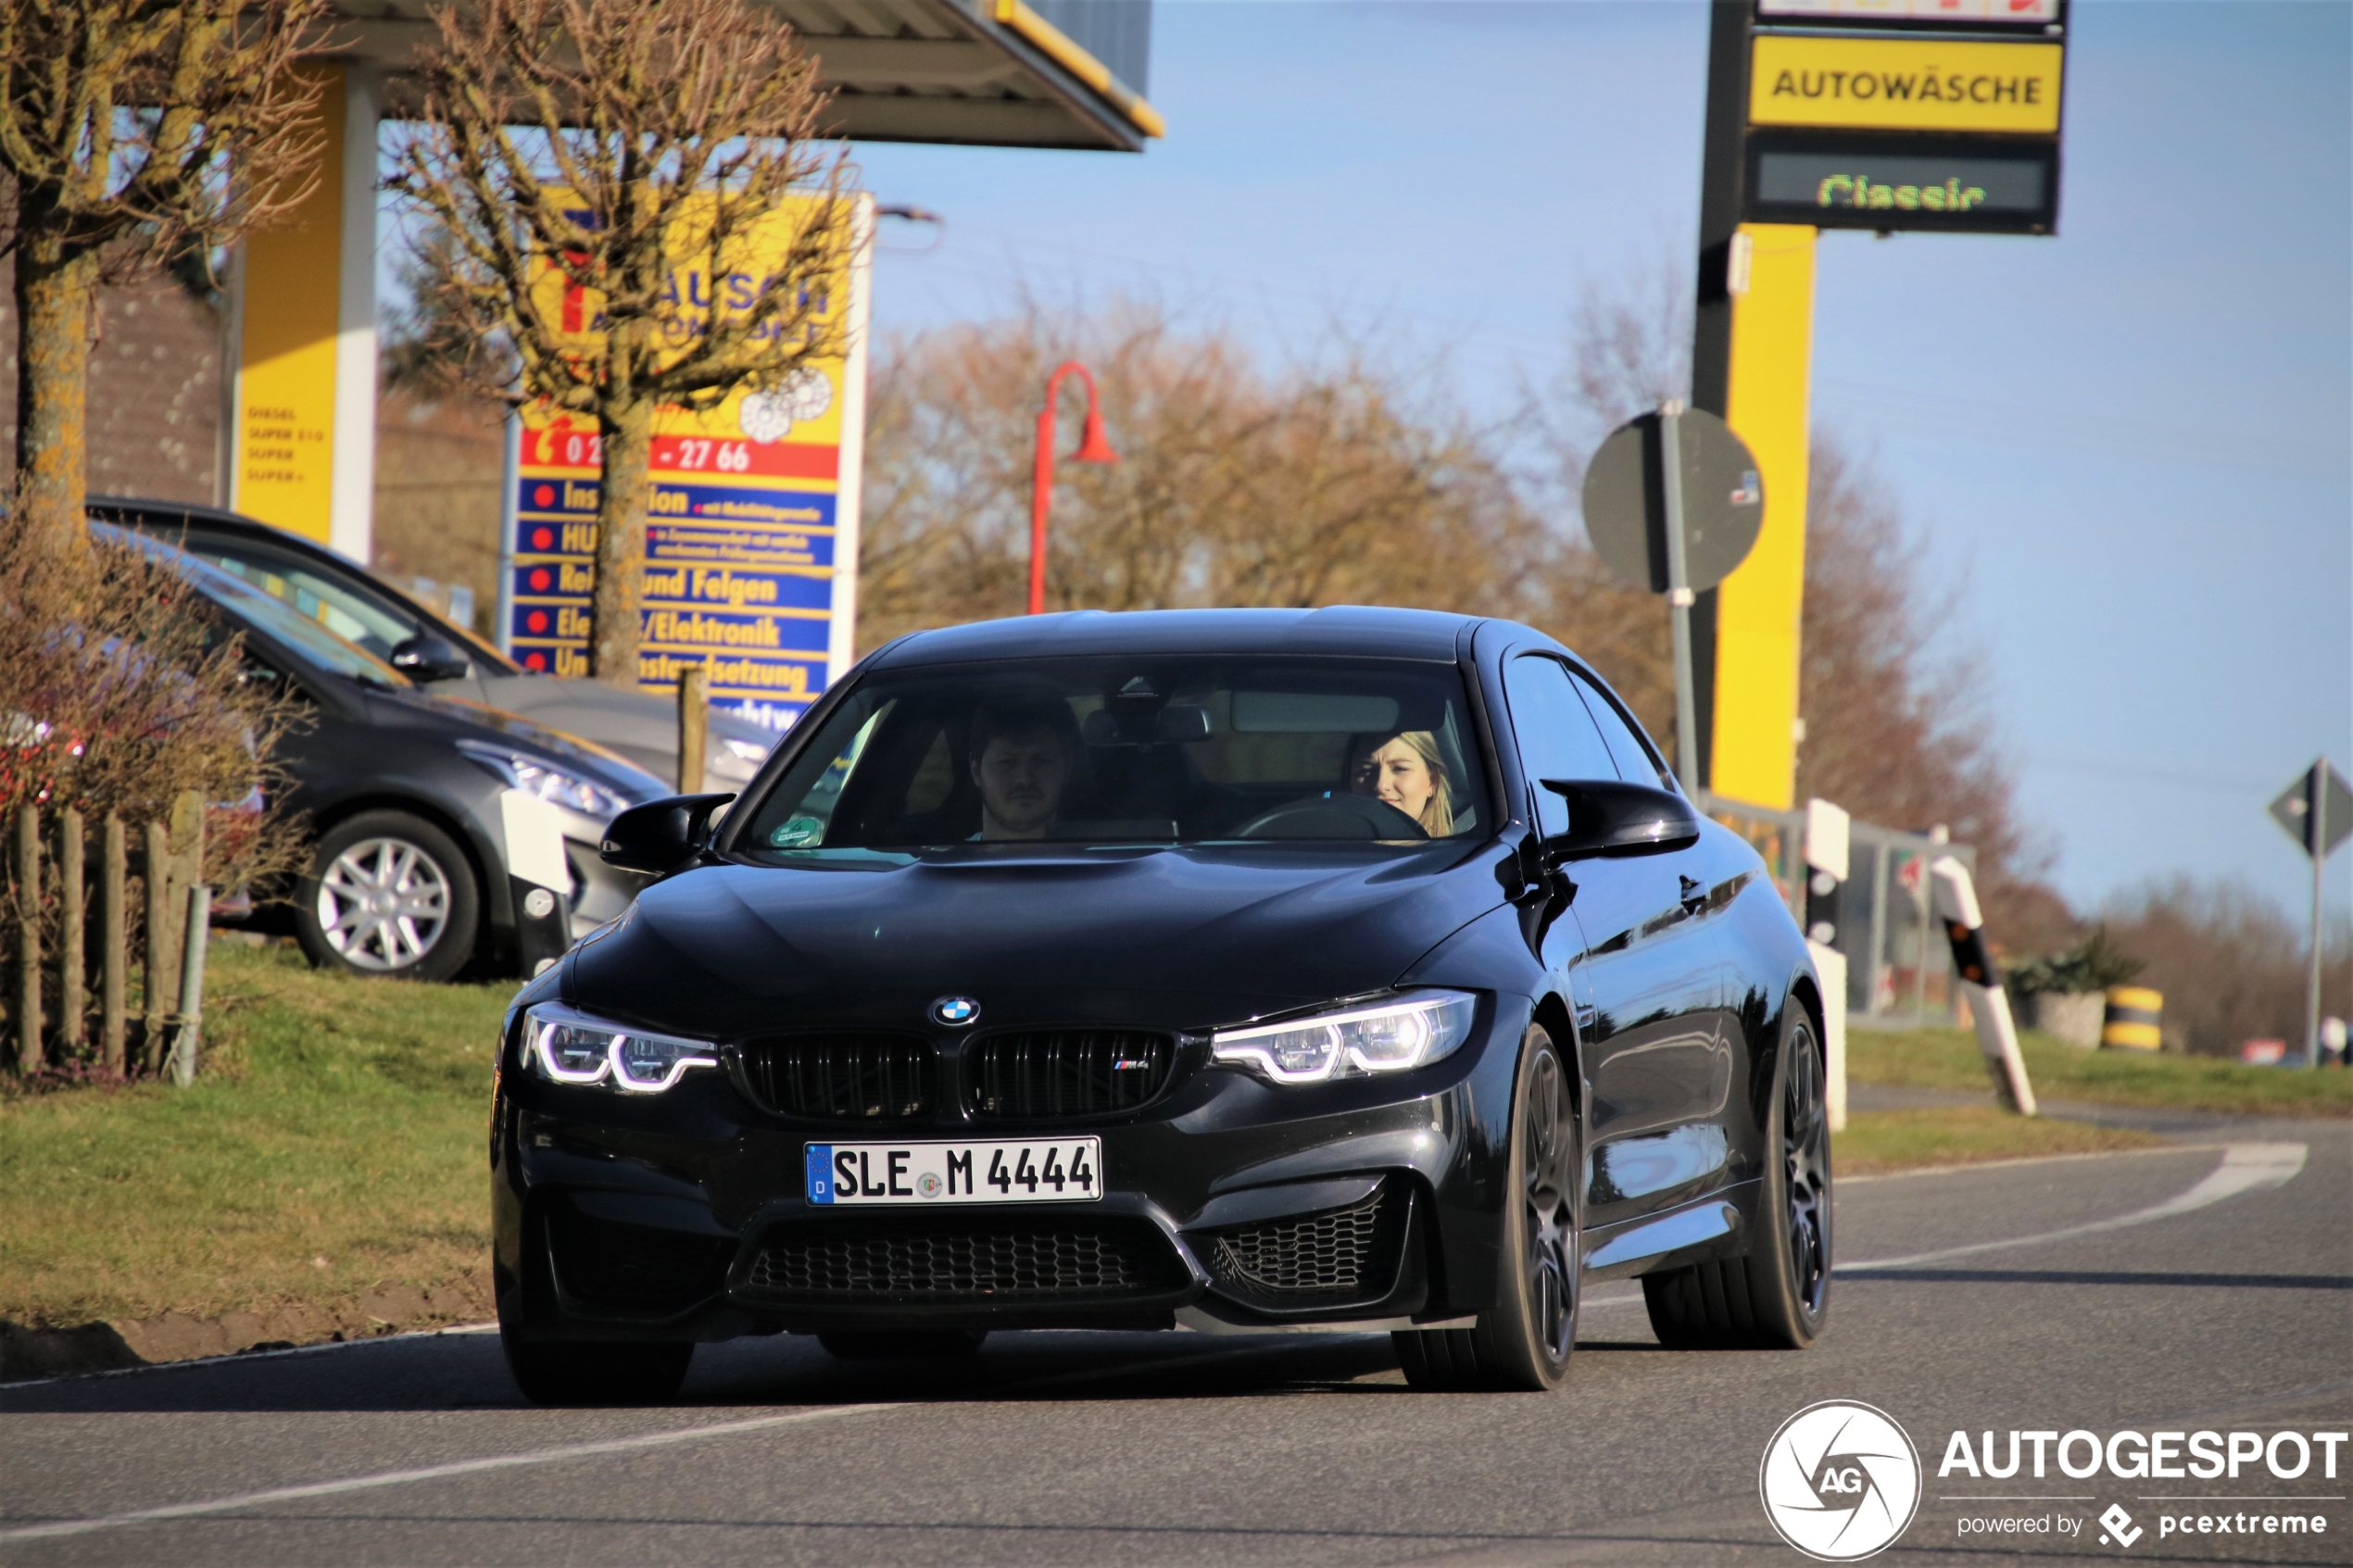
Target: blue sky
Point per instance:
(2129, 442)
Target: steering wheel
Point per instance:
(1332, 816)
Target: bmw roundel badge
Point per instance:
(955, 1012)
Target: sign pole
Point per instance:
(1678, 595)
(2316, 830)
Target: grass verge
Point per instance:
(1949, 1059)
(334, 1145)
(1879, 1141)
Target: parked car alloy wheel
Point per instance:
(389, 894)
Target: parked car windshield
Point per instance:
(1135, 750)
(351, 609)
(275, 618)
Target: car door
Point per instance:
(1647, 976)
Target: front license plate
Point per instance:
(1066, 1171)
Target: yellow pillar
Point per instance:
(1759, 607)
(303, 452)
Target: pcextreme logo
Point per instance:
(1839, 1481)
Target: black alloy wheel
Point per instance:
(1778, 1297)
(1523, 1342)
(1806, 1166)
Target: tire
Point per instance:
(574, 1375)
(1524, 1341)
(1778, 1297)
(425, 930)
(877, 1347)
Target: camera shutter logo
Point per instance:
(1839, 1481)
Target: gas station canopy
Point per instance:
(997, 73)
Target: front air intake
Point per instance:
(970, 1260)
(1338, 1256)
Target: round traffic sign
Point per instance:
(1626, 504)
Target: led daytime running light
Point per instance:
(570, 1052)
(1392, 1037)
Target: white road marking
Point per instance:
(2246, 1167)
(436, 1471)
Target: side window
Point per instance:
(1557, 739)
(1636, 762)
(354, 617)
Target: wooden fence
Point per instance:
(69, 1004)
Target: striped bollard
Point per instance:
(2132, 1019)
(1980, 983)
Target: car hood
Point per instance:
(1175, 938)
(643, 726)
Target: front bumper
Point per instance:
(1228, 1204)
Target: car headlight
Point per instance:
(748, 751)
(536, 776)
(568, 1048)
(1389, 1037)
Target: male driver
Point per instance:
(1020, 759)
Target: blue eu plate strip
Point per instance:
(820, 1172)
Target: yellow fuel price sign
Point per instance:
(1905, 84)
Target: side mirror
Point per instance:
(1609, 818)
(428, 658)
(661, 836)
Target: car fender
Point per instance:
(474, 826)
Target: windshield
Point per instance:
(1141, 751)
(350, 610)
(275, 618)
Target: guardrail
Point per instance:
(69, 1005)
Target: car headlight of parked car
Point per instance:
(1414, 1031)
(568, 1048)
(536, 776)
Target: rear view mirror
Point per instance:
(428, 658)
(661, 836)
(1179, 723)
(1607, 817)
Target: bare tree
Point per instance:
(1894, 730)
(1898, 728)
(582, 157)
(132, 133)
(2230, 961)
(1237, 486)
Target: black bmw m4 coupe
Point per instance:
(1231, 970)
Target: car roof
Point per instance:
(149, 508)
(145, 512)
(1362, 631)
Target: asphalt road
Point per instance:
(2222, 1300)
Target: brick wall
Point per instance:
(155, 391)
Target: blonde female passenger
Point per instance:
(1406, 770)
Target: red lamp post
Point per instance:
(1092, 448)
